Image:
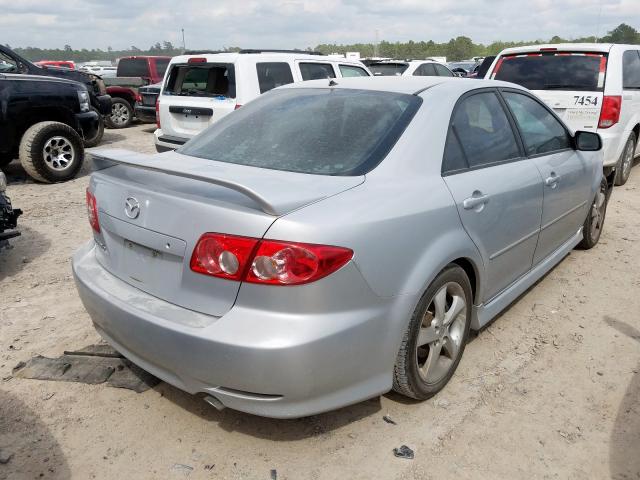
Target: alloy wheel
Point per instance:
(119, 114)
(58, 153)
(597, 213)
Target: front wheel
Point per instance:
(626, 161)
(121, 114)
(436, 336)
(592, 228)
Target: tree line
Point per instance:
(458, 48)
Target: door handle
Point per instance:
(552, 180)
(476, 201)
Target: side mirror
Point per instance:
(587, 141)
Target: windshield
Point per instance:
(316, 131)
(558, 71)
(388, 69)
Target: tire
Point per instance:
(121, 114)
(422, 371)
(593, 224)
(625, 163)
(51, 152)
(97, 138)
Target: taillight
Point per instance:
(266, 261)
(92, 211)
(158, 112)
(237, 106)
(610, 113)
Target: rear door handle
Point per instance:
(552, 180)
(476, 201)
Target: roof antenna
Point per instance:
(332, 83)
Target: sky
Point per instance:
(216, 24)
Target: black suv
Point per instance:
(11, 62)
(43, 121)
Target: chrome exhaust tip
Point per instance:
(214, 402)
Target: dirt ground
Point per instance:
(550, 389)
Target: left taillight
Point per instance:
(92, 211)
(266, 261)
(158, 112)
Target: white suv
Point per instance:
(591, 86)
(200, 89)
(410, 68)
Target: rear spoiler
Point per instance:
(112, 157)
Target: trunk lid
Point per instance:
(179, 198)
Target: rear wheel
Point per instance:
(121, 114)
(95, 140)
(51, 152)
(593, 224)
(436, 336)
(626, 160)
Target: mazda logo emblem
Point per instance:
(132, 207)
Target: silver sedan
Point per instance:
(333, 240)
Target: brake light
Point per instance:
(549, 49)
(237, 106)
(92, 211)
(198, 60)
(265, 261)
(158, 112)
(610, 113)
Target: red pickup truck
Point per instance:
(132, 73)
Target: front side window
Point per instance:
(541, 131)
(482, 133)
(202, 80)
(631, 70)
(7, 64)
(318, 131)
(442, 71)
(352, 71)
(316, 71)
(425, 70)
(273, 74)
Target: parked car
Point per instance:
(42, 122)
(416, 68)
(462, 69)
(200, 89)
(251, 265)
(8, 215)
(591, 86)
(57, 63)
(145, 108)
(99, 99)
(132, 73)
(102, 71)
(482, 68)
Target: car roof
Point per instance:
(398, 84)
(563, 47)
(232, 57)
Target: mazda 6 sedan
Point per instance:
(335, 239)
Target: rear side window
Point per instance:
(309, 130)
(273, 74)
(316, 71)
(481, 127)
(133, 67)
(388, 69)
(202, 80)
(442, 71)
(631, 69)
(425, 70)
(541, 131)
(564, 71)
(352, 71)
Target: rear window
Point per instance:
(273, 74)
(316, 131)
(133, 67)
(559, 71)
(202, 80)
(161, 66)
(388, 69)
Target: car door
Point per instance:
(566, 172)
(497, 191)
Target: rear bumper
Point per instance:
(167, 142)
(253, 359)
(145, 113)
(613, 141)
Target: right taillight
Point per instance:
(158, 112)
(610, 112)
(265, 261)
(92, 211)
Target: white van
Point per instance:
(200, 89)
(591, 86)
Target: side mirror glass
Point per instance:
(588, 141)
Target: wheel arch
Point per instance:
(46, 114)
(471, 270)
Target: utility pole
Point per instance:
(376, 53)
(184, 47)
